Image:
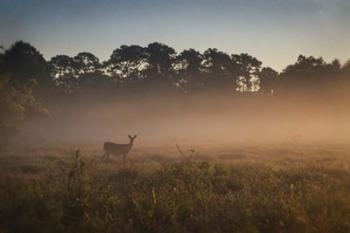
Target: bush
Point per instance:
(17, 105)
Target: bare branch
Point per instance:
(180, 151)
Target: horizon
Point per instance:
(274, 31)
(178, 52)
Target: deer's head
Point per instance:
(132, 138)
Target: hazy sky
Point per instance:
(275, 31)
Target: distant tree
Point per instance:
(91, 76)
(345, 72)
(335, 66)
(61, 65)
(332, 69)
(309, 73)
(81, 73)
(305, 67)
(344, 78)
(127, 64)
(247, 69)
(64, 72)
(25, 64)
(85, 63)
(268, 79)
(159, 72)
(188, 65)
(216, 66)
(346, 67)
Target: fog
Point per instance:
(195, 120)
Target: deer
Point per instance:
(111, 148)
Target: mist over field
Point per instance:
(193, 120)
(221, 145)
(165, 116)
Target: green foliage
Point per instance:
(17, 104)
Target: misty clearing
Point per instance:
(223, 127)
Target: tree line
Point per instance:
(27, 79)
(133, 69)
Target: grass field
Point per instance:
(237, 188)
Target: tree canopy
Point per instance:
(155, 68)
(133, 69)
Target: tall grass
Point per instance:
(188, 195)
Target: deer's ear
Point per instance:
(129, 136)
(135, 136)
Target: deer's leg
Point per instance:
(105, 155)
(124, 158)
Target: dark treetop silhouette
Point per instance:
(158, 68)
(25, 76)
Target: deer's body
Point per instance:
(116, 149)
(111, 148)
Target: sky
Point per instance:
(274, 31)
